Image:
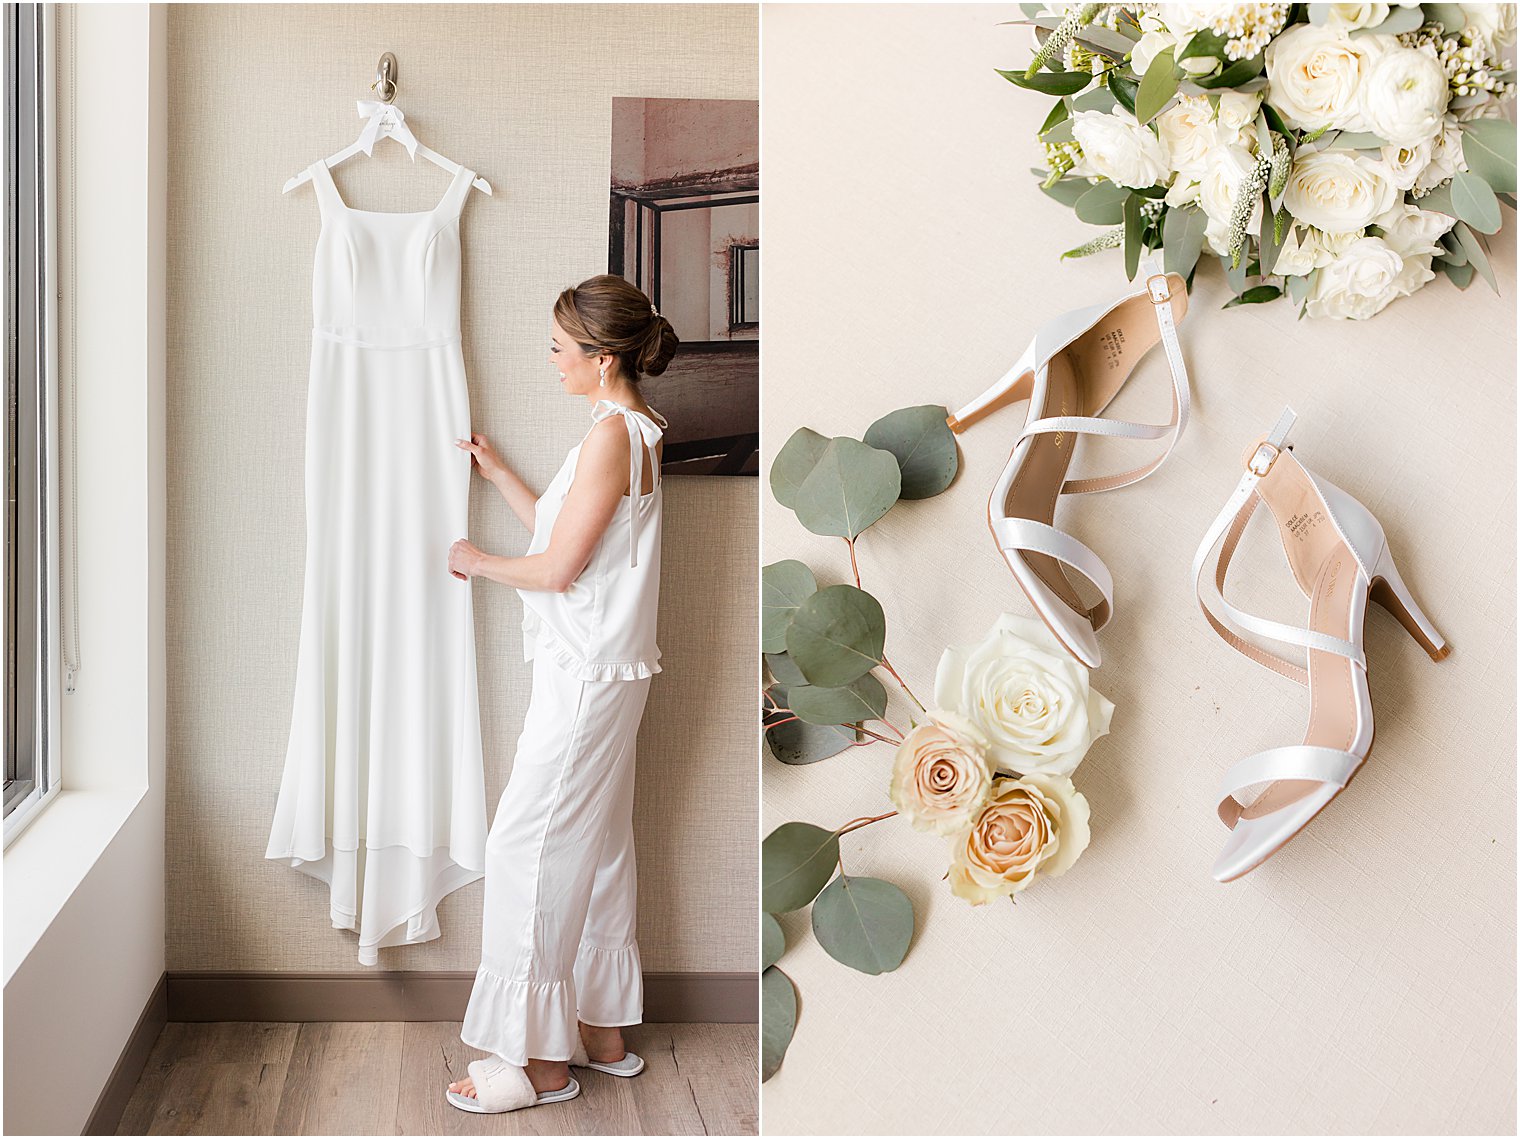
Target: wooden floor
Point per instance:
(240, 1078)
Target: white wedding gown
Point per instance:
(383, 792)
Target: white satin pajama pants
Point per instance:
(560, 882)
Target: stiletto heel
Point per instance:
(1340, 561)
(1072, 369)
(1389, 591)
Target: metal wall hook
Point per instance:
(386, 74)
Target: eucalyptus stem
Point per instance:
(854, 565)
(863, 821)
(886, 664)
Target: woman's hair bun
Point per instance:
(659, 346)
(608, 314)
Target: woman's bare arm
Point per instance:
(601, 474)
(520, 499)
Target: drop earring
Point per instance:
(603, 370)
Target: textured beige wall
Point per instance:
(523, 95)
(1363, 979)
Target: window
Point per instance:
(31, 774)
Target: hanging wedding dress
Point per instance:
(383, 792)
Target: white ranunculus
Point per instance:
(1116, 147)
(1307, 249)
(1315, 75)
(1404, 96)
(1338, 190)
(1445, 156)
(1030, 699)
(1353, 16)
(1362, 281)
(1237, 113)
(1410, 231)
(1404, 163)
(1188, 131)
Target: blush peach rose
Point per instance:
(1033, 825)
(940, 776)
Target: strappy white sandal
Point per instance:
(500, 1086)
(629, 1065)
(1070, 372)
(1340, 559)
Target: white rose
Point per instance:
(940, 776)
(1404, 163)
(1027, 696)
(1237, 113)
(1036, 825)
(1150, 45)
(1410, 231)
(1188, 132)
(1362, 280)
(1492, 23)
(1338, 190)
(1445, 156)
(1116, 147)
(1218, 189)
(1314, 75)
(1353, 16)
(1404, 96)
(1307, 249)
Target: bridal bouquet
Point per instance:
(988, 767)
(1336, 153)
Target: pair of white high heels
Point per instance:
(1336, 549)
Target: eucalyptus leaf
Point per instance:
(784, 585)
(865, 923)
(1104, 41)
(1157, 87)
(863, 698)
(1183, 238)
(1098, 99)
(1133, 225)
(783, 671)
(1398, 21)
(1449, 16)
(794, 462)
(923, 444)
(1067, 190)
(1058, 114)
(850, 487)
(1056, 83)
(778, 1019)
(1359, 140)
(796, 861)
(798, 743)
(1061, 132)
(1236, 275)
(1475, 202)
(1259, 294)
(1298, 287)
(1318, 13)
(772, 940)
(1103, 204)
(1205, 42)
(1451, 249)
(1488, 147)
(1461, 275)
(1477, 256)
(1031, 10)
(836, 635)
(1507, 199)
(1439, 200)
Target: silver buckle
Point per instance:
(1262, 458)
(1166, 289)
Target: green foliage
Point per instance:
(864, 923)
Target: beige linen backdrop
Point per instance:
(522, 94)
(1363, 980)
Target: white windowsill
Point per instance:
(50, 858)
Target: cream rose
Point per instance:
(1237, 113)
(1364, 279)
(1338, 190)
(1315, 74)
(1306, 249)
(1187, 129)
(1037, 824)
(1353, 16)
(1404, 96)
(1027, 696)
(1220, 186)
(941, 777)
(1116, 147)
(1410, 231)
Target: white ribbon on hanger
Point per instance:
(386, 118)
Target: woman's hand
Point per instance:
(487, 461)
(465, 559)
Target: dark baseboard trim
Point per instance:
(729, 998)
(115, 1096)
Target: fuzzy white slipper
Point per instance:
(500, 1086)
(629, 1065)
